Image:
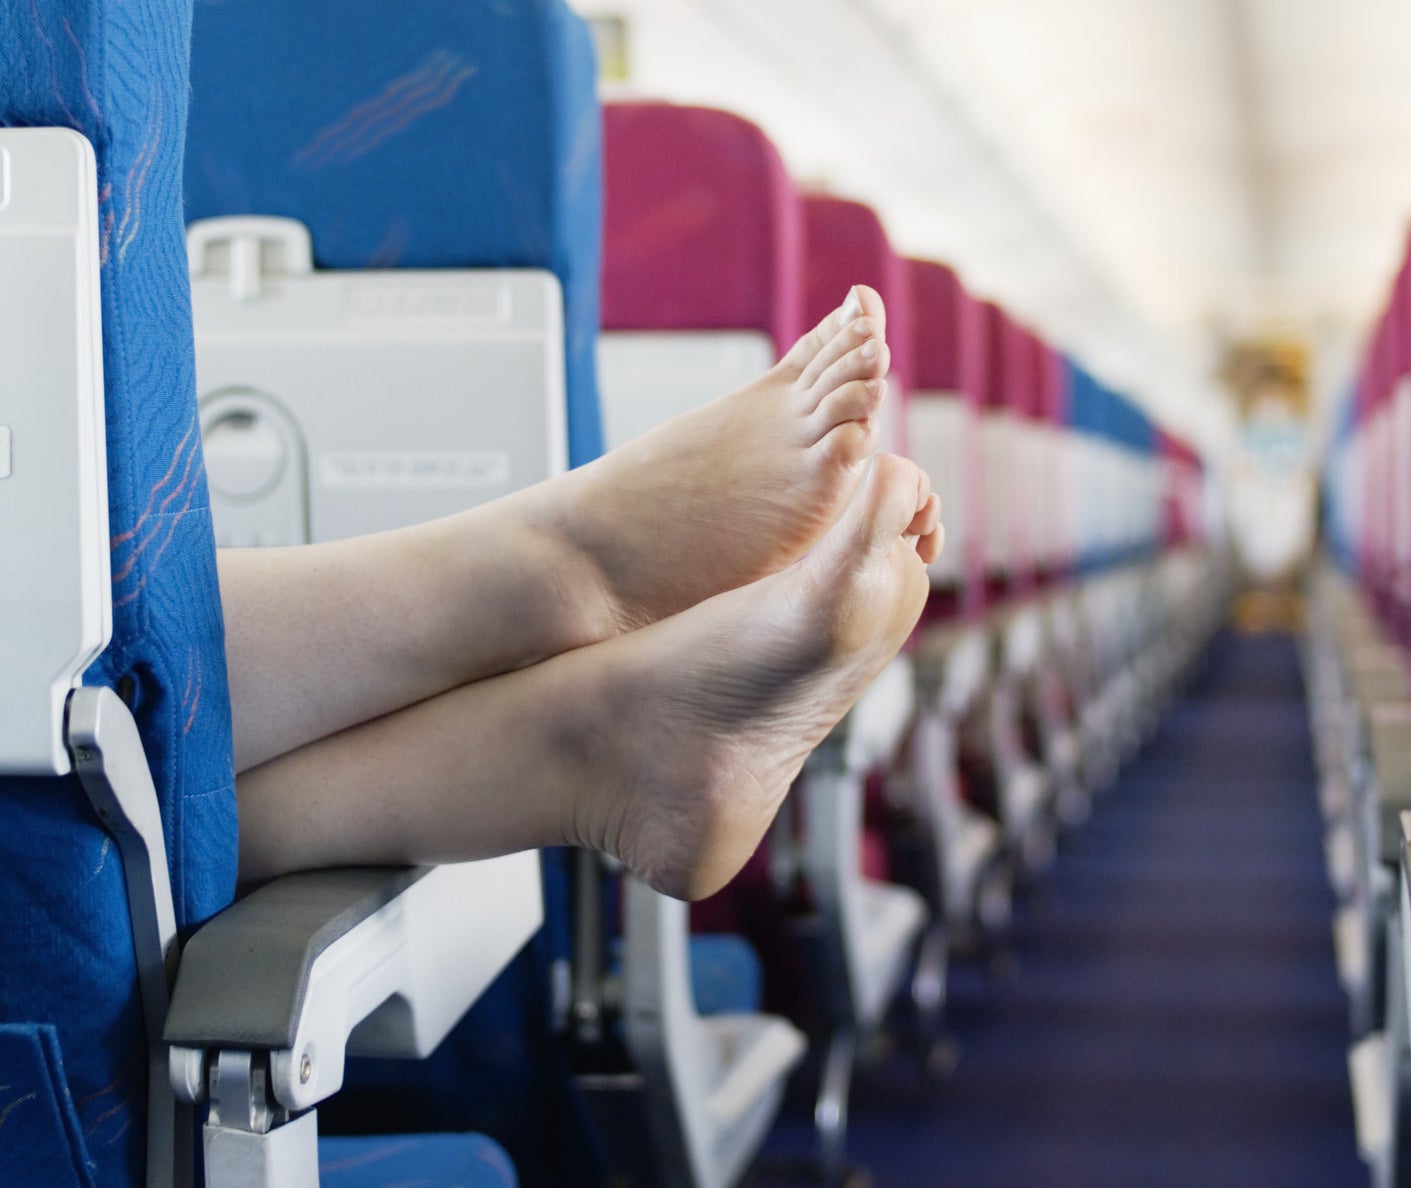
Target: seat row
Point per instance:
(1356, 673)
(406, 229)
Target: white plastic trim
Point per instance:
(343, 402)
(646, 377)
(285, 1157)
(55, 593)
(419, 961)
(246, 248)
(713, 1085)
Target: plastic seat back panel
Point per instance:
(332, 94)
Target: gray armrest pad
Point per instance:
(244, 975)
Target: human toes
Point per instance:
(855, 404)
(924, 532)
(931, 545)
(860, 352)
(861, 302)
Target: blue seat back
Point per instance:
(429, 134)
(416, 135)
(118, 74)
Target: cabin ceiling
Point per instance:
(1145, 181)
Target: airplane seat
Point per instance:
(1004, 774)
(1372, 392)
(1178, 594)
(117, 793)
(962, 867)
(701, 293)
(1358, 695)
(1023, 395)
(1187, 588)
(1147, 663)
(1070, 623)
(855, 938)
(1054, 516)
(521, 190)
(997, 454)
(1365, 686)
(1193, 588)
(1094, 496)
(1121, 537)
(68, 977)
(1329, 599)
(1401, 460)
(1379, 1058)
(1052, 704)
(702, 261)
(1384, 1132)
(446, 163)
(845, 243)
(942, 423)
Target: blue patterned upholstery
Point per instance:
(118, 74)
(427, 1159)
(35, 1103)
(429, 134)
(422, 134)
(72, 1043)
(727, 977)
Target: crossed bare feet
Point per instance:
(723, 703)
(750, 584)
(740, 487)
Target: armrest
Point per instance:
(377, 961)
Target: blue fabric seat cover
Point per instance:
(36, 1107)
(117, 72)
(466, 1160)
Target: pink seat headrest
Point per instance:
(947, 332)
(846, 244)
(703, 229)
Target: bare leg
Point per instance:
(324, 637)
(671, 747)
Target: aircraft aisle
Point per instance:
(1173, 1017)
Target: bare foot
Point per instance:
(712, 500)
(743, 486)
(726, 701)
(671, 746)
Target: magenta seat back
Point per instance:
(1057, 521)
(1010, 405)
(703, 229)
(948, 365)
(846, 244)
